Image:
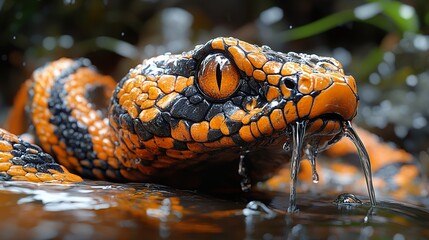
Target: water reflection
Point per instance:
(106, 210)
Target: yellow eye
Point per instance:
(218, 78)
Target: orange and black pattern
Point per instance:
(179, 119)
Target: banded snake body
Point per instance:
(182, 120)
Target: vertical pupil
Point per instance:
(218, 76)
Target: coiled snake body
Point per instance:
(182, 120)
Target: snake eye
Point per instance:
(218, 78)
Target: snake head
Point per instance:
(227, 94)
(269, 90)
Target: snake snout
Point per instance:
(338, 102)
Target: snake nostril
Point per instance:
(289, 82)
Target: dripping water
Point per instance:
(243, 171)
(364, 159)
(298, 132)
(311, 153)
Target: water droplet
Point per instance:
(122, 34)
(242, 170)
(266, 48)
(286, 146)
(364, 159)
(14, 37)
(136, 161)
(298, 133)
(311, 153)
(258, 208)
(347, 198)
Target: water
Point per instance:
(242, 170)
(311, 153)
(364, 159)
(298, 132)
(103, 210)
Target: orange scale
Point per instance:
(217, 120)
(352, 83)
(5, 156)
(145, 154)
(166, 83)
(165, 101)
(247, 67)
(141, 98)
(246, 119)
(224, 128)
(227, 142)
(190, 81)
(238, 56)
(16, 170)
(315, 126)
(32, 177)
(148, 171)
(200, 131)
(290, 68)
(181, 83)
(264, 126)
(272, 93)
(248, 47)
(139, 79)
(329, 127)
(148, 115)
(147, 85)
(98, 173)
(304, 106)
(336, 77)
(130, 175)
(113, 163)
(273, 79)
(152, 78)
(197, 147)
(164, 142)
(307, 69)
(180, 154)
(285, 91)
(181, 132)
(5, 146)
(154, 93)
(4, 166)
(238, 115)
(147, 104)
(246, 134)
(135, 93)
(128, 85)
(218, 44)
(277, 119)
(257, 59)
(321, 81)
(123, 98)
(289, 112)
(19, 178)
(230, 41)
(259, 75)
(272, 67)
(254, 129)
(305, 84)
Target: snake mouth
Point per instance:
(330, 117)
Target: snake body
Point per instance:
(177, 118)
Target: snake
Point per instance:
(186, 120)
